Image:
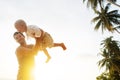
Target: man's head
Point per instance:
(20, 25)
(19, 37)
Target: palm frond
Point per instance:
(97, 26)
(107, 7)
(83, 1)
(95, 19)
(113, 12)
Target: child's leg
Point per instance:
(61, 45)
(47, 54)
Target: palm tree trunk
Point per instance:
(113, 3)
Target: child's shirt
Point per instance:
(33, 31)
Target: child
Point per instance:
(44, 39)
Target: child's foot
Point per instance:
(48, 59)
(63, 46)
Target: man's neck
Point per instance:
(23, 44)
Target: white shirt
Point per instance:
(33, 31)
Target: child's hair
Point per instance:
(18, 33)
(20, 21)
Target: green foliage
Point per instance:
(108, 76)
(105, 19)
(110, 52)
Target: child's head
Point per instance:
(20, 25)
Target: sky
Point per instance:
(67, 21)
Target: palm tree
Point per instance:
(103, 76)
(111, 55)
(113, 2)
(95, 3)
(108, 76)
(106, 19)
(111, 45)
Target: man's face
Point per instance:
(19, 38)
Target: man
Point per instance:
(25, 56)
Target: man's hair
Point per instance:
(18, 33)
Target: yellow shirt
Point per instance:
(26, 62)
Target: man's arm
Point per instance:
(36, 46)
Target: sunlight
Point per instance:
(52, 70)
(43, 70)
(44, 73)
(65, 69)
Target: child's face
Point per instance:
(20, 27)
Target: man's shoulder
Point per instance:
(27, 46)
(19, 49)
